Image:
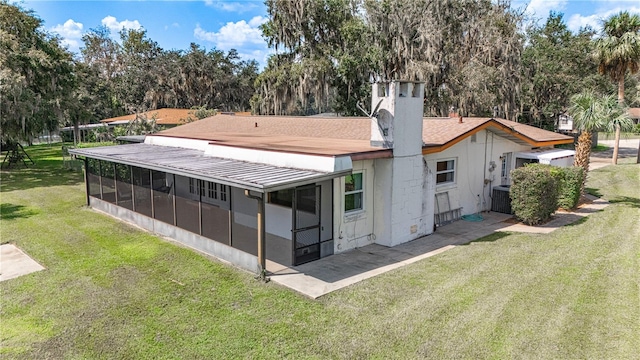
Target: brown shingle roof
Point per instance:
(441, 133)
(163, 116)
(346, 135)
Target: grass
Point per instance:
(113, 291)
(611, 136)
(599, 148)
(596, 148)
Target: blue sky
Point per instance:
(233, 24)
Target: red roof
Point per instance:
(162, 116)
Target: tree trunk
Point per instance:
(621, 91)
(616, 146)
(583, 152)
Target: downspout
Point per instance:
(262, 262)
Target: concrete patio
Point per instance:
(323, 276)
(15, 263)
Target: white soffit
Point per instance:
(281, 159)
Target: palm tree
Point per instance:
(617, 51)
(591, 113)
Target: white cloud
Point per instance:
(577, 21)
(231, 6)
(71, 34)
(541, 8)
(261, 56)
(175, 25)
(70, 29)
(115, 26)
(236, 35)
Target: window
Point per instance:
(282, 197)
(196, 187)
(213, 190)
(192, 186)
(503, 168)
(353, 192)
(223, 192)
(445, 172)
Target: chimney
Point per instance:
(460, 119)
(453, 113)
(397, 116)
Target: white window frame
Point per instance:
(193, 186)
(362, 208)
(215, 191)
(453, 171)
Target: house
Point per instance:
(289, 190)
(634, 114)
(564, 124)
(164, 117)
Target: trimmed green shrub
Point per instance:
(569, 186)
(534, 193)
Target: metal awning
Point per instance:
(194, 163)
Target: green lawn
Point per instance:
(611, 136)
(111, 291)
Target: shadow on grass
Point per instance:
(593, 191)
(12, 211)
(626, 200)
(48, 170)
(490, 238)
(580, 221)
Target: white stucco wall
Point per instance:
(398, 204)
(473, 160)
(326, 210)
(354, 229)
(278, 218)
(403, 192)
(562, 162)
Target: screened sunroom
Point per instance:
(215, 205)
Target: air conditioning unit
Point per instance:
(500, 200)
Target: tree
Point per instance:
(199, 113)
(617, 51)
(142, 125)
(90, 100)
(548, 79)
(138, 54)
(331, 50)
(322, 47)
(103, 57)
(592, 113)
(36, 75)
